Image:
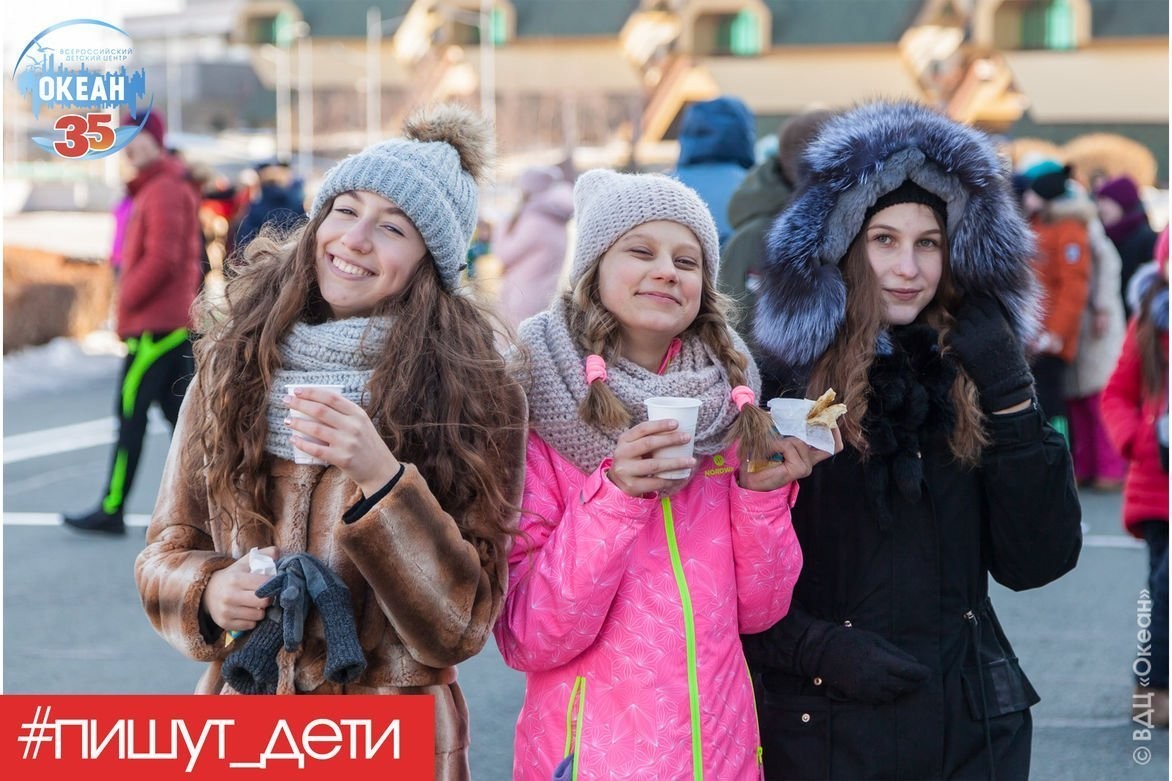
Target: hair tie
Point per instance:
(742, 395)
(595, 369)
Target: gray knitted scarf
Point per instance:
(337, 352)
(557, 385)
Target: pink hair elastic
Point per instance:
(595, 369)
(742, 395)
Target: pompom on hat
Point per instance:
(859, 156)
(608, 204)
(433, 174)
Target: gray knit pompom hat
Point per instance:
(608, 204)
(432, 174)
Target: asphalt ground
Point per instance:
(73, 622)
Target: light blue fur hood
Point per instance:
(860, 155)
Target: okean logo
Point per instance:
(76, 71)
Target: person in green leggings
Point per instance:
(160, 277)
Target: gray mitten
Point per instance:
(252, 668)
(287, 588)
(345, 661)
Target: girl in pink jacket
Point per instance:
(628, 591)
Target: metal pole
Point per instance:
(374, 81)
(284, 117)
(487, 63)
(569, 122)
(174, 86)
(304, 106)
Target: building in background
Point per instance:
(607, 80)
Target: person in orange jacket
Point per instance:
(1063, 267)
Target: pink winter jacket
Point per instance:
(626, 615)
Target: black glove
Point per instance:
(252, 668)
(991, 354)
(858, 664)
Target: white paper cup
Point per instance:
(680, 409)
(298, 456)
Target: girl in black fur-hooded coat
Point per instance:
(900, 277)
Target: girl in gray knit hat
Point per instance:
(415, 500)
(628, 588)
(901, 276)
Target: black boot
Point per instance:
(98, 521)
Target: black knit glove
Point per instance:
(858, 664)
(252, 668)
(991, 354)
(345, 661)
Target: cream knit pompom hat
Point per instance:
(608, 204)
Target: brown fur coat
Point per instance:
(425, 597)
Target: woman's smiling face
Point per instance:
(367, 251)
(651, 280)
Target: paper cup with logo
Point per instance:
(680, 409)
(298, 456)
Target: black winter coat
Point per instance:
(915, 571)
(279, 205)
(1137, 248)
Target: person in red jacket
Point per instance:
(1135, 410)
(1063, 267)
(160, 276)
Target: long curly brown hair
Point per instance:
(598, 333)
(846, 365)
(440, 394)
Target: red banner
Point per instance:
(153, 737)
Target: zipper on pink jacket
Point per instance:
(677, 568)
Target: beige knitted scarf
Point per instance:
(557, 385)
(337, 352)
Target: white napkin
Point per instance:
(789, 418)
(260, 563)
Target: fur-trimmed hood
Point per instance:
(859, 156)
